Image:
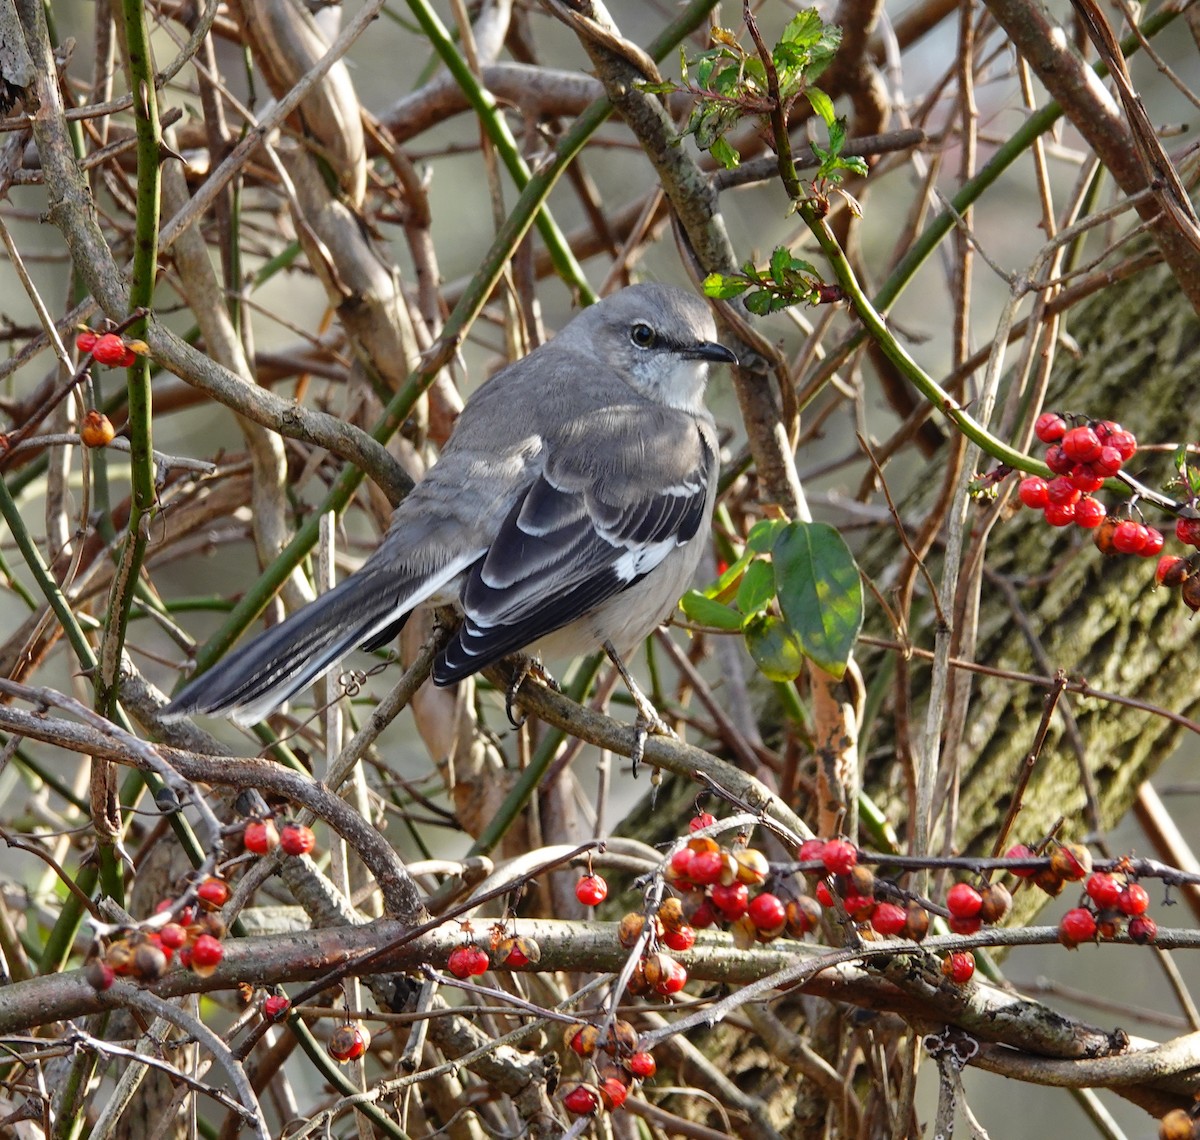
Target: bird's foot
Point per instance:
(647, 723)
(526, 667)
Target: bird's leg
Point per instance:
(648, 720)
(525, 666)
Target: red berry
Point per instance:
(1020, 851)
(591, 890)
(701, 821)
(839, 856)
(213, 893)
(767, 911)
(207, 953)
(1089, 512)
(811, 850)
(963, 900)
(960, 925)
(1129, 536)
(681, 864)
(704, 916)
(823, 895)
(732, 900)
(1050, 427)
(1152, 544)
(1060, 514)
(1032, 492)
(859, 907)
(643, 1065)
(613, 1092)
(1108, 462)
(109, 349)
(674, 980)
(260, 836)
(680, 937)
(1060, 491)
(959, 967)
(889, 919)
(706, 867)
(1133, 900)
(1059, 461)
(173, 936)
(459, 962)
(349, 1042)
(1187, 530)
(1081, 444)
(580, 1100)
(85, 341)
(1169, 566)
(1076, 926)
(1143, 929)
(1105, 428)
(1084, 477)
(1103, 889)
(1124, 441)
(99, 974)
(275, 1006)
(296, 839)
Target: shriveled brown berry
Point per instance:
(1190, 592)
(997, 902)
(149, 961)
(629, 929)
(803, 915)
(916, 924)
(752, 866)
(622, 1039)
(860, 881)
(1071, 862)
(99, 974)
(583, 1039)
(119, 955)
(1050, 881)
(659, 966)
(1102, 536)
(670, 914)
(1177, 1125)
(96, 429)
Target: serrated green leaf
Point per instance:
(763, 534)
(757, 588)
(855, 164)
(722, 287)
(820, 592)
(706, 611)
(724, 154)
(799, 265)
(804, 28)
(759, 302)
(777, 653)
(656, 88)
(823, 106)
(781, 262)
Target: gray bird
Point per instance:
(567, 511)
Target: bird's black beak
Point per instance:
(711, 351)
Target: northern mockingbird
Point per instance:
(567, 511)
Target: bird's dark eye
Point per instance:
(642, 335)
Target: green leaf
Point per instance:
(763, 534)
(781, 262)
(820, 592)
(706, 611)
(805, 28)
(759, 302)
(724, 154)
(722, 287)
(823, 106)
(777, 653)
(757, 588)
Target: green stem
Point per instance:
(493, 122)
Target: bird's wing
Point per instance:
(617, 495)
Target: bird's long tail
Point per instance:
(252, 681)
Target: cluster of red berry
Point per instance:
(1080, 458)
(145, 953)
(620, 1066)
(516, 951)
(261, 837)
(1109, 901)
(109, 349)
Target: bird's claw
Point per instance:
(526, 666)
